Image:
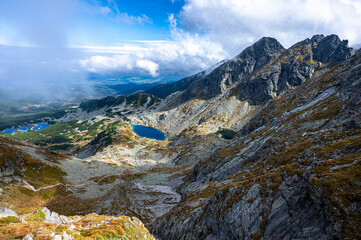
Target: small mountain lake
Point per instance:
(10, 130)
(40, 126)
(37, 127)
(148, 132)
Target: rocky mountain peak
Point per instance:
(317, 38)
(261, 51)
(235, 70)
(266, 69)
(295, 66)
(330, 49)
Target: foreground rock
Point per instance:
(44, 224)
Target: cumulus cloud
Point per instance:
(149, 66)
(183, 55)
(125, 64)
(237, 23)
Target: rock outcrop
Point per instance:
(43, 224)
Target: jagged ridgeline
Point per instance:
(137, 100)
(266, 145)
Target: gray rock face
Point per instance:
(6, 212)
(295, 66)
(53, 217)
(330, 49)
(235, 70)
(102, 140)
(13, 165)
(294, 214)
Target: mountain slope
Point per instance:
(291, 172)
(233, 103)
(33, 177)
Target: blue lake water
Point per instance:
(10, 130)
(148, 132)
(40, 126)
(37, 127)
(24, 128)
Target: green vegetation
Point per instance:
(9, 120)
(8, 220)
(60, 136)
(65, 146)
(37, 216)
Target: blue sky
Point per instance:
(47, 42)
(141, 20)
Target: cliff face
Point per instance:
(295, 66)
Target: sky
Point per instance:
(46, 43)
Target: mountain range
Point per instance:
(266, 145)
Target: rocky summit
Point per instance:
(266, 145)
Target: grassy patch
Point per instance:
(8, 220)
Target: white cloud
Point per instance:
(125, 17)
(237, 23)
(126, 64)
(112, 10)
(149, 66)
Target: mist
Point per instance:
(35, 62)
